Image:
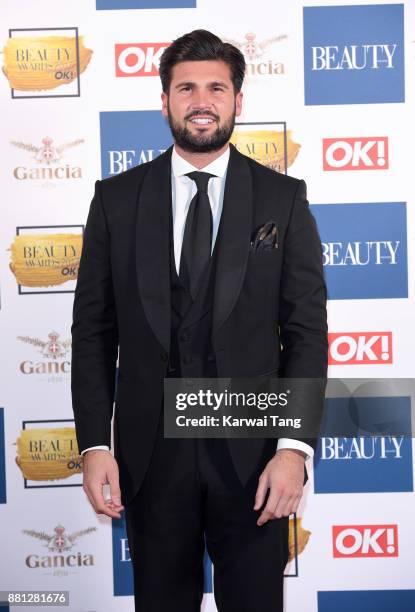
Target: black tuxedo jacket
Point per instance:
(269, 311)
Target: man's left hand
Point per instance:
(284, 476)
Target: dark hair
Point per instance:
(201, 45)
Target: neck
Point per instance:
(200, 160)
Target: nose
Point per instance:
(201, 100)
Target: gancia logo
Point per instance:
(48, 165)
(258, 54)
(53, 352)
(36, 61)
(47, 451)
(42, 261)
(61, 543)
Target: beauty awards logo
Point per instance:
(130, 138)
(270, 144)
(261, 55)
(53, 362)
(354, 54)
(356, 153)
(45, 162)
(365, 260)
(45, 259)
(58, 557)
(38, 61)
(47, 454)
(138, 59)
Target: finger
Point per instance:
(115, 491)
(114, 514)
(98, 502)
(293, 503)
(116, 509)
(268, 511)
(289, 507)
(296, 504)
(284, 503)
(261, 492)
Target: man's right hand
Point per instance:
(100, 468)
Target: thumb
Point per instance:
(115, 491)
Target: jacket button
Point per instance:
(163, 356)
(187, 359)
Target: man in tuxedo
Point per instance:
(201, 263)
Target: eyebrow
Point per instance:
(211, 84)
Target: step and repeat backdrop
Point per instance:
(328, 97)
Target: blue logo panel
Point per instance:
(354, 54)
(364, 249)
(365, 464)
(121, 560)
(366, 601)
(2, 460)
(103, 5)
(130, 138)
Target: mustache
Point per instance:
(205, 113)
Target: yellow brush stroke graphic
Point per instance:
(45, 260)
(48, 454)
(43, 62)
(266, 147)
(302, 538)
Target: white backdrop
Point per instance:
(35, 328)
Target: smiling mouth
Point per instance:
(202, 120)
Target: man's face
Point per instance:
(201, 105)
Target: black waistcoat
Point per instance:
(191, 353)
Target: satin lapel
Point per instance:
(152, 246)
(234, 238)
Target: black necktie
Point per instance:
(197, 237)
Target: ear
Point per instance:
(238, 103)
(164, 101)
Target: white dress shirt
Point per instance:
(183, 190)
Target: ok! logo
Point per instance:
(363, 153)
(365, 541)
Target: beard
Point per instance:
(199, 143)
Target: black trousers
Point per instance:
(191, 495)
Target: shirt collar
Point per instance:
(218, 167)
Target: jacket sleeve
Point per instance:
(94, 334)
(303, 299)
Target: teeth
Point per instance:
(201, 121)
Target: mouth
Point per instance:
(202, 120)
